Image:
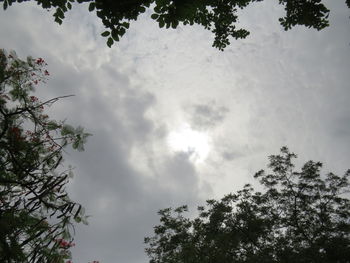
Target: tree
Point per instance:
(36, 213)
(301, 217)
(218, 16)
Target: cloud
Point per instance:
(208, 115)
(274, 88)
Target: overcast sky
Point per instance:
(175, 121)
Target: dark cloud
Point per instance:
(230, 155)
(205, 116)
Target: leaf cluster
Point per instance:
(301, 217)
(219, 17)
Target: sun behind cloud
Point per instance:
(195, 143)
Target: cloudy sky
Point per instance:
(175, 121)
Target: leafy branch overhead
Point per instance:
(219, 17)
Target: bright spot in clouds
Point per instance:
(192, 142)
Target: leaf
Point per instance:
(58, 20)
(92, 6)
(106, 34)
(110, 42)
(142, 9)
(75, 145)
(52, 126)
(80, 146)
(79, 130)
(67, 129)
(115, 35)
(154, 16)
(121, 31)
(161, 24)
(59, 13)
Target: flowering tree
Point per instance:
(36, 213)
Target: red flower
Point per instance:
(46, 73)
(40, 61)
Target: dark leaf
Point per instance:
(106, 34)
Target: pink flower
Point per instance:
(64, 244)
(33, 98)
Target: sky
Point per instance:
(175, 121)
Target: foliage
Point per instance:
(301, 217)
(218, 16)
(36, 214)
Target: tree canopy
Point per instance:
(218, 16)
(302, 216)
(36, 214)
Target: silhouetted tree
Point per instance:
(301, 217)
(218, 16)
(36, 213)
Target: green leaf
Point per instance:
(142, 9)
(92, 6)
(121, 32)
(58, 20)
(5, 5)
(67, 129)
(161, 24)
(75, 145)
(154, 16)
(110, 42)
(115, 35)
(52, 125)
(106, 34)
(59, 13)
